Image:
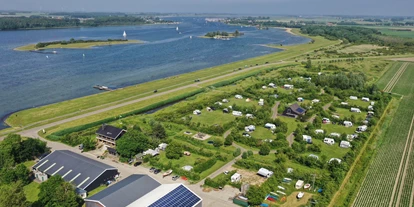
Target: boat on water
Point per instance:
(104, 88)
(176, 28)
(54, 52)
(167, 173)
(124, 35)
(191, 37)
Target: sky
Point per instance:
(268, 7)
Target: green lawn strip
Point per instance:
(347, 113)
(32, 191)
(385, 79)
(330, 151)
(338, 128)
(405, 81)
(404, 34)
(97, 190)
(29, 164)
(212, 117)
(361, 104)
(33, 115)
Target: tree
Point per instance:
(218, 142)
(174, 151)
(56, 192)
(244, 155)
(132, 143)
(158, 131)
(228, 141)
(264, 150)
(13, 195)
(255, 195)
(308, 64)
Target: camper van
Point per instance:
(329, 141)
(348, 123)
(357, 110)
(362, 128)
(307, 139)
(237, 113)
(365, 99)
(270, 126)
(319, 131)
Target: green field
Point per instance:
(381, 178)
(84, 45)
(32, 191)
(359, 48)
(212, 117)
(385, 79)
(262, 133)
(338, 128)
(404, 34)
(330, 151)
(77, 106)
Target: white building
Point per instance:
(264, 172)
(329, 141)
(345, 144)
(236, 177)
(357, 110)
(299, 184)
(237, 113)
(307, 139)
(348, 123)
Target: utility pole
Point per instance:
(313, 184)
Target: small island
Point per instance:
(223, 35)
(75, 44)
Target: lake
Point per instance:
(31, 79)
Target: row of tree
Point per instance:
(225, 34)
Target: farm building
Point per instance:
(108, 134)
(319, 131)
(264, 172)
(362, 128)
(142, 190)
(353, 98)
(238, 96)
(329, 141)
(287, 86)
(236, 177)
(345, 144)
(357, 110)
(84, 173)
(237, 113)
(307, 139)
(335, 159)
(334, 134)
(365, 99)
(314, 156)
(348, 123)
(196, 112)
(272, 85)
(270, 126)
(294, 111)
(300, 99)
(299, 184)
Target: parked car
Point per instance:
(137, 163)
(226, 172)
(152, 169)
(175, 177)
(156, 171)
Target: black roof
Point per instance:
(110, 131)
(297, 109)
(111, 150)
(78, 169)
(125, 191)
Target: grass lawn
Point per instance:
(242, 102)
(183, 161)
(359, 102)
(84, 45)
(32, 191)
(347, 113)
(291, 122)
(359, 48)
(212, 117)
(329, 128)
(29, 164)
(262, 133)
(330, 151)
(385, 79)
(97, 190)
(405, 34)
(80, 105)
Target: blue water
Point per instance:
(30, 79)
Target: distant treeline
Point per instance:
(72, 41)
(269, 23)
(225, 34)
(13, 23)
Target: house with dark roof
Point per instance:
(143, 191)
(294, 111)
(83, 172)
(108, 134)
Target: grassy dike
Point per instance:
(84, 45)
(58, 111)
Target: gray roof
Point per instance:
(125, 191)
(78, 169)
(110, 131)
(297, 109)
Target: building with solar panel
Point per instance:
(84, 173)
(294, 111)
(144, 191)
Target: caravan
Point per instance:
(307, 139)
(357, 110)
(329, 141)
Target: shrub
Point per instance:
(204, 165)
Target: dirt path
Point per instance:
(274, 110)
(227, 133)
(290, 139)
(394, 80)
(408, 145)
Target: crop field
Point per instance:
(405, 34)
(389, 180)
(385, 79)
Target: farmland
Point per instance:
(389, 180)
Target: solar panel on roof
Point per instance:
(179, 197)
(300, 110)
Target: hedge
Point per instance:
(60, 133)
(204, 166)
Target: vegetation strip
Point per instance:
(395, 78)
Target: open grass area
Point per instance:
(32, 191)
(330, 151)
(359, 48)
(242, 102)
(84, 45)
(396, 33)
(347, 113)
(262, 133)
(291, 123)
(405, 81)
(29, 164)
(361, 104)
(338, 128)
(80, 105)
(212, 117)
(385, 79)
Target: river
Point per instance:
(30, 79)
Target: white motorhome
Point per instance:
(348, 123)
(237, 113)
(353, 98)
(345, 144)
(329, 141)
(357, 110)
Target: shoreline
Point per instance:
(84, 45)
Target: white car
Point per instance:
(300, 195)
(226, 172)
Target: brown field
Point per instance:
(408, 59)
